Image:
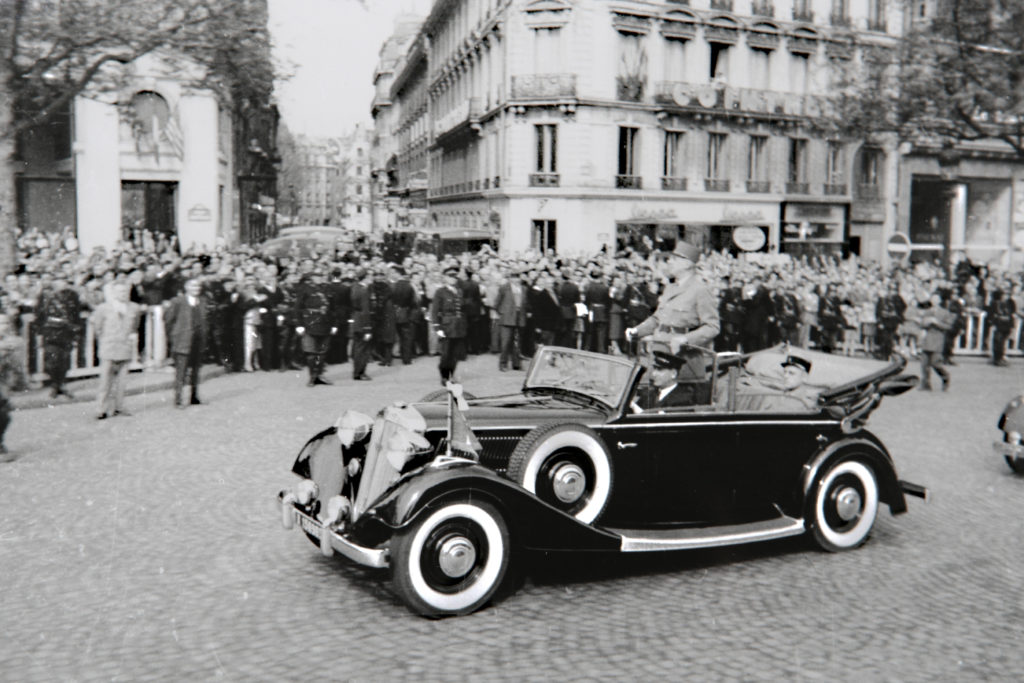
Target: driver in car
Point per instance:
(794, 394)
(665, 390)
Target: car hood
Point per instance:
(514, 410)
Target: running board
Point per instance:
(642, 540)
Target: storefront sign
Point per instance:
(741, 216)
(749, 238)
(639, 212)
(200, 214)
(815, 213)
(899, 244)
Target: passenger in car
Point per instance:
(794, 394)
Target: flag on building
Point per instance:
(173, 135)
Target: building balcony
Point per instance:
(628, 182)
(463, 113)
(762, 8)
(868, 192)
(544, 180)
(671, 183)
(798, 188)
(759, 186)
(835, 188)
(878, 25)
(724, 5)
(497, 181)
(803, 15)
(716, 185)
(684, 3)
(541, 86)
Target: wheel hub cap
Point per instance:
(456, 556)
(848, 503)
(569, 483)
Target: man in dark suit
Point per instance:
(568, 297)
(449, 316)
(665, 390)
(511, 306)
(315, 314)
(546, 314)
(404, 298)
(362, 324)
(187, 320)
(598, 301)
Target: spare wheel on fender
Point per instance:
(566, 465)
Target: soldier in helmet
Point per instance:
(314, 314)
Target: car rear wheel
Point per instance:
(452, 559)
(845, 505)
(567, 466)
(440, 394)
(1016, 464)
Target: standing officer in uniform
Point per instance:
(362, 324)
(889, 313)
(448, 313)
(686, 312)
(404, 298)
(598, 300)
(316, 324)
(59, 319)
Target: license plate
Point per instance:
(309, 526)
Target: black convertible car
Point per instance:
(575, 461)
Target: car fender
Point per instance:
(534, 523)
(871, 448)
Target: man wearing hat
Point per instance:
(511, 306)
(362, 324)
(665, 390)
(598, 299)
(687, 313)
(793, 395)
(448, 312)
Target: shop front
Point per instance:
(744, 228)
(814, 229)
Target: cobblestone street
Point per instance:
(149, 547)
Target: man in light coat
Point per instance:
(115, 323)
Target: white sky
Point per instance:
(331, 47)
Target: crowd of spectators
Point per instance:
(582, 300)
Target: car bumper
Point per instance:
(330, 540)
(1010, 450)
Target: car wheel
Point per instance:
(845, 504)
(452, 559)
(439, 394)
(567, 466)
(1016, 464)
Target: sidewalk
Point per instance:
(84, 390)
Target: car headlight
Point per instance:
(306, 491)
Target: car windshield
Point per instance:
(605, 378)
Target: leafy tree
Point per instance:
(953, 77)
(52, 51)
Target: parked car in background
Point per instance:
(447, 496)
(444, 242)
(304, 240)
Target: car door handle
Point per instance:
(628, 444)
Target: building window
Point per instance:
(870, 166)
(673, 164)
(359, 189)
(547, 50)
(797, 177)
(627, 150)
(547, 147)
(719, 62)
(760, 72)
(632, 76)
(675, 60)
(834, 162)
(544, 235)
(798, 69)
(757, 158)
(876, 15)
(716, 156)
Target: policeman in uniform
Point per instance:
(889, 313)
(449, 315)
(316, 324)
(687, 313)
(362, 324)
(59, 320)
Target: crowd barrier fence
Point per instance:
(975, 340)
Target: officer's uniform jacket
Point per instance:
(448, 314)
(685, 309)
(362, 313)
(313, 309)
(59, 317)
